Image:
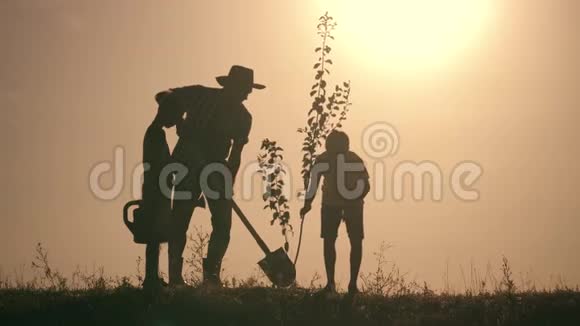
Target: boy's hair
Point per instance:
(337, 142)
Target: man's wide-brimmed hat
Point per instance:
(241, 77)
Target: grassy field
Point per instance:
(388, 298)
(127, 305)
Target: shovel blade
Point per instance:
(278, 268)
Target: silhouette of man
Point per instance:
(211, 139)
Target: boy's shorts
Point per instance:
(333, 215)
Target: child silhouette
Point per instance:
(346, 183)
(156, 190)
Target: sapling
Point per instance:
(327, 112)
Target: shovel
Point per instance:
(276, 265)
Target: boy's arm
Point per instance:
(367, 184)
(367, 187)
(315, 176)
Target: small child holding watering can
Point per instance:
(157, 185)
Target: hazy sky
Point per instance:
(77, 79)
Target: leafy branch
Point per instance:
(326, 112)
(270, 161)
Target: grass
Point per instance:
(388, 298)
(127, 305)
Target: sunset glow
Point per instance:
(464, 114)
(411, 33)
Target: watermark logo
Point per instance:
(381, 142)
(388, 179)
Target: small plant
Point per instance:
(197, 247)
(256, 279)
(426, 290)
(139, 272)
(4, 281)
(49, 277)
(476, 284)
(507, 283)
(389, 281)
(96, 280)
(270, 162)
(315, 281)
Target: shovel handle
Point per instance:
(250, 228)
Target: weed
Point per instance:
(49, 277)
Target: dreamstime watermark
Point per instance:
(380, 142)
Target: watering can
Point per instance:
(142, 226)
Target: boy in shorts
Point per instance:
(346, 183)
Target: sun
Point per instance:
(409, 34)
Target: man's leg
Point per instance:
(181, 216)
(185, 195)
(218, 196)
(151, 264)
(221, 222)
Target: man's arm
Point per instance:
(239, 140)
(235, 158)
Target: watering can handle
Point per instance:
(128, 223)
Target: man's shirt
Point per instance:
(212, 122)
